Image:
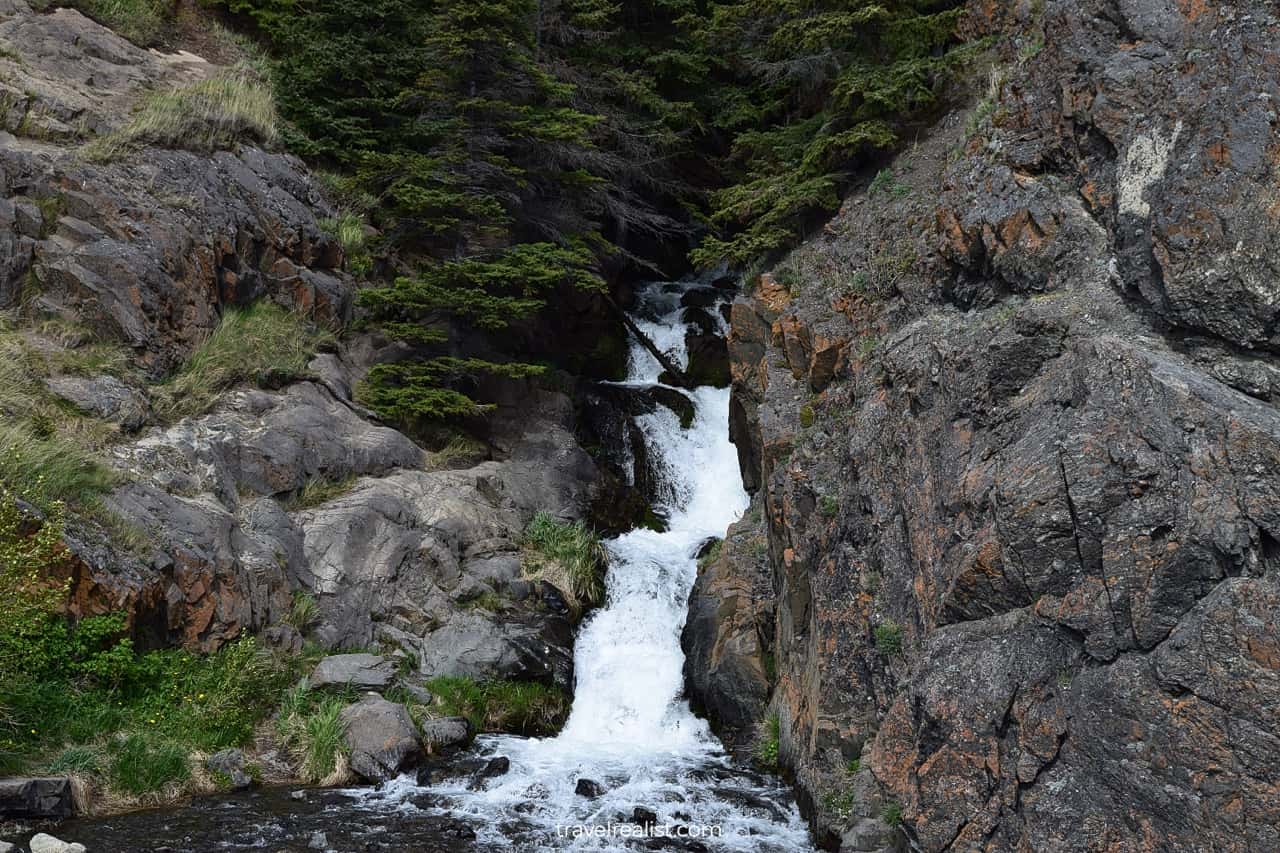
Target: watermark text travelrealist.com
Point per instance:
(631, 830)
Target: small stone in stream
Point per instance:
(300, 796)
(588, 788)
(6, 847)
(44, 843)
(644, 817)
(318, 841)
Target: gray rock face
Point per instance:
(38, 797)
(189, 233)
(446, 733)
(364, 671)
(103, 397)
(381, 738)
(729, 624)
(1022, 544)
(65, 75)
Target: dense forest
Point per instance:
(509, 152)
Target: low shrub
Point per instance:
(568, 555)
(888, 637)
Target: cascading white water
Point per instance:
(631, 731)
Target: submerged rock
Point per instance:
(588, 788)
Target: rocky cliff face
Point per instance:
(149, 251)
(1012, 420)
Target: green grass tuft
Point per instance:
(518, 707)
(568, 555)
(210, 115)
(303, 611)
(264, 343)
(317, 491)
(47, 467)
(892, 814)
(142, 764)
(768, 741)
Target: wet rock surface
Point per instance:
(1020, 459)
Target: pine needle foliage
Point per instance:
(814, 88)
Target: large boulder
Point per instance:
(36, 797)
(380, 737)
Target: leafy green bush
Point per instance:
(568, 555)
(264, 343)
(888, 637)
(519, 707)
(892, 814)
(210, 115)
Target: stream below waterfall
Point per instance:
(633, 768)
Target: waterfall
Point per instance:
(631, 731)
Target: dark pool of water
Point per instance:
(270, 819)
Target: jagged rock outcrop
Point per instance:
(729, 628)
(1016, 439)
(146, 250)
(149, 250)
